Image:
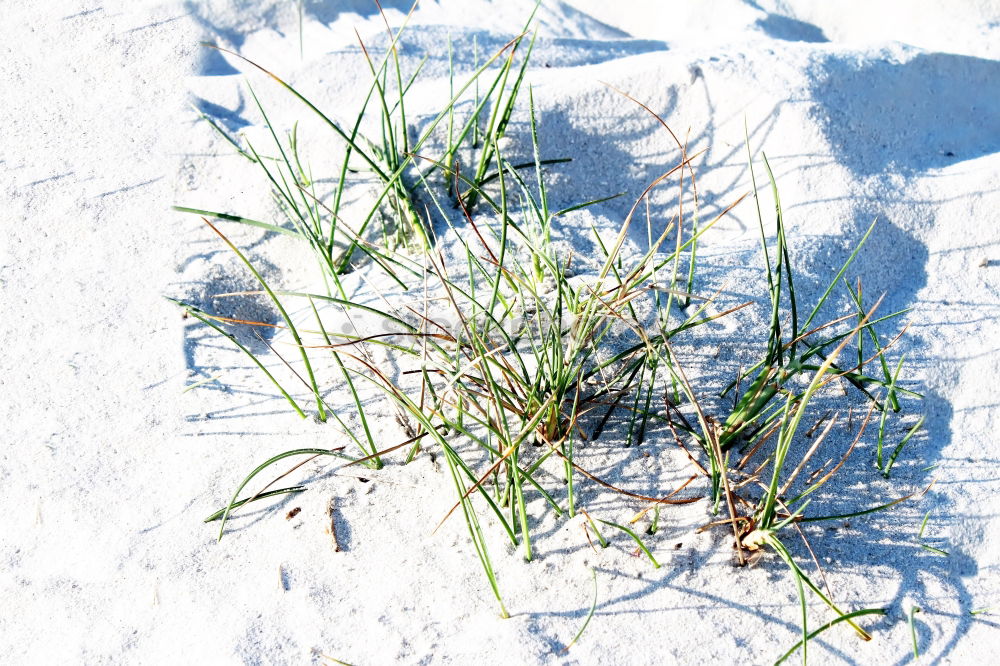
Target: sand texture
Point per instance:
(866, 110)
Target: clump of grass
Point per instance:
(509, 361)
(510, 366)
(389, 156)
(752, 447)
(506, 363)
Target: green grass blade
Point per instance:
(635, 537)
(590, 614)
(270, 493)
(885, 413)
(837, 278)
(899, 447)
(359, 408)
(842, 618)
(856, 297)
(853, 514)
(260, 468)
(224, 134)
(936, 551)
(197, 314)
(785, 555)
(238, 218)
(284, 315)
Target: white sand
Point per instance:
(888, 110)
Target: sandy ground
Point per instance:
(887, 110)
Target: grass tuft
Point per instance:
(490, 348)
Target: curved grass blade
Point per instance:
(270, 493)
(840, 274)
(899, 447)
(224, 134)
(816, 632)
(856, 297)
(881, 507)
(197, 314)
(284, 315)
(642, 546)
(359, 408)
(264, 465)
(238, 218)
(890, 394)
(590, 614)
(800, 575)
